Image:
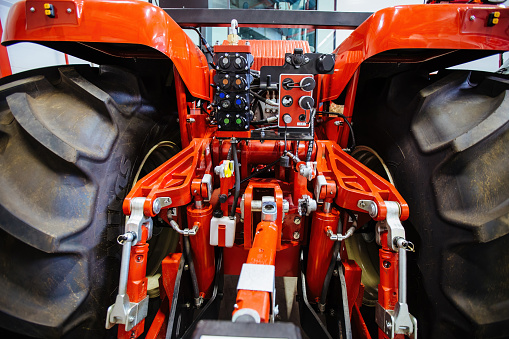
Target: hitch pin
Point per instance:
(405, 244)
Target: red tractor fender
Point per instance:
(441, 27)
(128, 22)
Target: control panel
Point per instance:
(232, 80)
(295, 101)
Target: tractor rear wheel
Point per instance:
(445, 141)
(70, 140)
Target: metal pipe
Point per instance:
(402, 275)
(126, 240)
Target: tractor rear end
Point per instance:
(288, 167)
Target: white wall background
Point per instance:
(25, 56)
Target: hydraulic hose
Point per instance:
(237, 180)
(194, 279)
(332, 263)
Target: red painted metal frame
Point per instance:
(248, 197)
(388, 289)
(355, 181)
(116, 22)
(320, 251)
(441, 26)
(170, 267)
(173, 178)
(204, 259)
(263, 252)
(5, 65)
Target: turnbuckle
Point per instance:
(399, 320)
(123, 311)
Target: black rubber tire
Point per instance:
(445, 140)
(69, 140)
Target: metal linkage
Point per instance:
(399, 320)
(123, 311)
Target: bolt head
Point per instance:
(472, 18)
(131, 319)
(32, 9)
(69, 11)
(296, 235)
(156, 206)
(296, 220)
(373, 210)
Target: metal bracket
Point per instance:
(126, 313)
(207, 180)
(392, 225)
(399, 321)
(256, 205)
(138, 219)
(369, 206)
(320, 182)
(161, 203)
(308, 170)
(307, 205)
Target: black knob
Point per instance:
(287, 84)
(306, 102)
(217, 213)
(325, 63)
(240, 62)
(240, 103)
(224, 62)
(307, 84)
(224, 81)
(225, 104)
(222, 200)
(239, 83)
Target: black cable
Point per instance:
(259, 97)
(354, 144)
(189, 259)
(202, 38)
(330, 270)
(237, 180)
(254, 174)
(259, 122)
